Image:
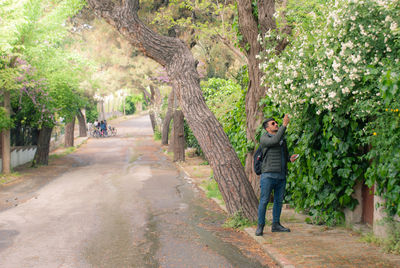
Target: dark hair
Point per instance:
(265, 123)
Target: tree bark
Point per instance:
(69, 134)
(251, 28)
(153, 99)
(82, 124)
(178, 60)
(167, 119)
(156, 106)
(153, 121)
(179, 136)
(6, 137)
(102, 114)
(43, 147)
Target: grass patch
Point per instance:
(170, 154)
(82, 143)
(63, 153)
(238, 221)
(391, 244)
(157, 135)
(6, 178)
(212, 190)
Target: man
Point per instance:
(274, 170)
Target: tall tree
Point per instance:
(36, 31)
(82, 123)
(179, 136)
(178, 60)
(43, 147)
(69, 133)
(153, 99)
(255, 22)
(5, 136)
(168, 118)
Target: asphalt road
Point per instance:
(119, 203)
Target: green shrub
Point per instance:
(330, 80)
(238, 221)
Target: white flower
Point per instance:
(332, 94)
(362, 31)
(337, 78)
(335, 65)
(353, 76)
(288, 81)
(280, 66)
(393, 26)
(345, 90)
(348, 44)
(329, 107)
(355, 59)
(329, 53)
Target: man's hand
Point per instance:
(294, 157)
(286, 120)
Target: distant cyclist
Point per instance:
(103, 128)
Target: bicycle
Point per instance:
(112, 131)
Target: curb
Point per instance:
(272, 252)
(187, 177)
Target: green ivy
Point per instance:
(385, 144)
(345, 120)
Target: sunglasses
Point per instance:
(274, 123)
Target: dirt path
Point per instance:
(117, 202)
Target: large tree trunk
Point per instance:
(181, 69)
(179, 136)
(6, 137)
(82, 124)
(167, 119)
(251, 28)
(102, 114)
(156, 106)
(154, 100)
(43, 147)
(153, 121)
(69, 134)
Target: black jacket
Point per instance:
(272, 161)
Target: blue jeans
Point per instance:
(268, 184)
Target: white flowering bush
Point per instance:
(330, 80)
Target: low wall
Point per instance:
(20, 155)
